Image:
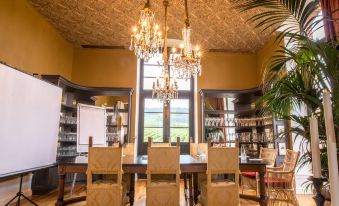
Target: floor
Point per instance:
(49, 199)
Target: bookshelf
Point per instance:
(230, 115)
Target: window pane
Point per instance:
(180, 106)
(183, 84)
(179, 120)
(153, 105)
(153, 119)
(155, 133)
(155, 60)
(152, 71)
(183, 133)
(148, 83)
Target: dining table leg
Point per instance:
(185, 187)
(262, 188)
(132, 189)
(61, 188)
(195, 185)
(190, 189)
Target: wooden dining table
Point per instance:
(133, 165)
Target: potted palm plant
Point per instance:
(313, 66)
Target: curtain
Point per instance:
(330, 10)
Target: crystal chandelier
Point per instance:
(163, 90)
(186, 61)
(146, 38)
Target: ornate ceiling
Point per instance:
(215, 25)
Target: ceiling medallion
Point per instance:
(146, 39)
(163, 90)
(186, 61)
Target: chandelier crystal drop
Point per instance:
(146, 41)
(163, 89)
(186, 61)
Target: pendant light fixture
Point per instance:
(186, 61)
(146, 39)
(163, 89)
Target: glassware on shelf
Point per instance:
(64, 119)
(67, 151)
(243, 155)
(67, 136)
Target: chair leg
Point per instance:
(185, 187)
(73, 183)
(242, 185)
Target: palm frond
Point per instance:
(289, 16)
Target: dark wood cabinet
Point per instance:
(232, 115)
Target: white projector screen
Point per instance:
(29, 122)
(91, 122)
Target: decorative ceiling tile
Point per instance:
(216, 26)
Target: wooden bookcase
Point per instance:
(225, 111)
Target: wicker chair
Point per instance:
(280, 181)
(249, 180)
(163, 161)
(105, 161)
(216, 191)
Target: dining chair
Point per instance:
(196, 150)
(111, 190)
(280, 181)
(217, 191)
(161, 144)
(163, 161)
(128, 149)
(250, 180)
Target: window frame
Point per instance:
(147, 94)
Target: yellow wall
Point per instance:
(30, 43)
(228, 71)
(264, 56)
(106, 68)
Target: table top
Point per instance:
(142, 160)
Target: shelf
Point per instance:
(119, 110)
(219, 112)
(254, 142)
(235, 112)
(238, 127)
(67, 124)
(115, 125)
(60, 140)
(75, 155)
(68, 107)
